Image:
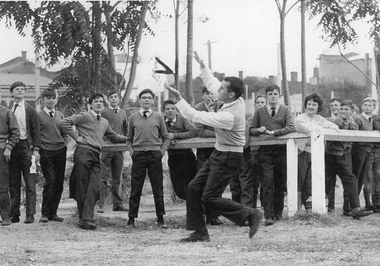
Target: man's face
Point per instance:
(273, 97)
(146, 101)
(311, 107)
(18, 92)
(114, 100)
(50, 102)
(368, 107)
(97, 105)
(170, 111)
(260, 101)
(224, 95)
(335, 107)
(345, 112)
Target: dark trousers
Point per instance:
(241, 185)
(341, 166)
(112, 165)
(53, 165)
(206, 188)
(5, 203)
(183, 168)
(360, 159)
(143, 161)
(304, 175)
(256, 176)
(86, 173)
(273, 181)
(20, 162)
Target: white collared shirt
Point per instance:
(95, 114)
(174, 119)
(275, 110)
(47, 111)
(20, 114)
(147, 114)
(366, 116)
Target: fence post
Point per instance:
(292, 175)
(318, 172)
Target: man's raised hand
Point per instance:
(176, 93)
(198, 59)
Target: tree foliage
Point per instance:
(339, 17)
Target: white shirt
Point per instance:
(147, 114)
(20, 114)
(275, 110)
(47, 111)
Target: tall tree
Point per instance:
(189, 56)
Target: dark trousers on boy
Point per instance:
(5, 204)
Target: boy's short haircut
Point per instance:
(236, 86)
(260, 96)
(348, 103)
(49, 92)
(17, 84)
(369, 99)
(338, 99)
(111, 92)
(95, 96)
(146, 91)
(271, 88)
(204, 89)
(316, 98)
(168, 101)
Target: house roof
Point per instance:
(6, 79)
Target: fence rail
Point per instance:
(290, 140)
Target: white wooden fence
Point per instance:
(291, 141)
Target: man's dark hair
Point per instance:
(112, 92)
(168, 101)
(272, 88)
(95, 96)
(49, 92)
(236, 86)
(315, 97)
(204, 89)
(338, 99)
(348, 103)
(260, 96)
(146, 91)
(17, 84)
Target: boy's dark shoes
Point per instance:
(197, 236)
(269, 221)
(29, 219)
(44, 219)
(87, 225)
(56, 218)
(131, 222)
(161, 223)
(6, 222)
(15, 219)
(214, 221)
(357, 213)
(119, 208)
(254, 219)
(347, 212)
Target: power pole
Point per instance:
(209, 52)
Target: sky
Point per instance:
(245, 33)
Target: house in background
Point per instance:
(21, 69)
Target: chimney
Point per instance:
(23, 55)
(241, 74)
(316, 72)
(272, 79)
(293, 76)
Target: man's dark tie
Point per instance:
(145, 114)
(116, 111)
(273, 113)
(369, 119)
(98, 117)
(51, 114)
(16, 105)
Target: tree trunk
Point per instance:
(303, 53)
(97, 40)
(107, 9)
(189, 57)
(176, 63)
(285, 87)
(132, 76)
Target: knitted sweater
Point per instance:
(118, 121)
(281, 124)
(92, 130)
(365, 125)
(9, 132)
(337, 147)
(376, 126)
(147, 134)
(205, 131)
(52, 136)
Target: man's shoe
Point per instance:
(87, 225)
(101, 209)
(44, 219)
(254, 219)
(6, 222)
(119, 208)
(368, 208)
(215, 221)
(347, 212)
(357, 213)
(197, 236)
(56, 218)
(278, 217)
(29, 219)
(131, 222)
(161, 223)
(269, 221)
(15, 219)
